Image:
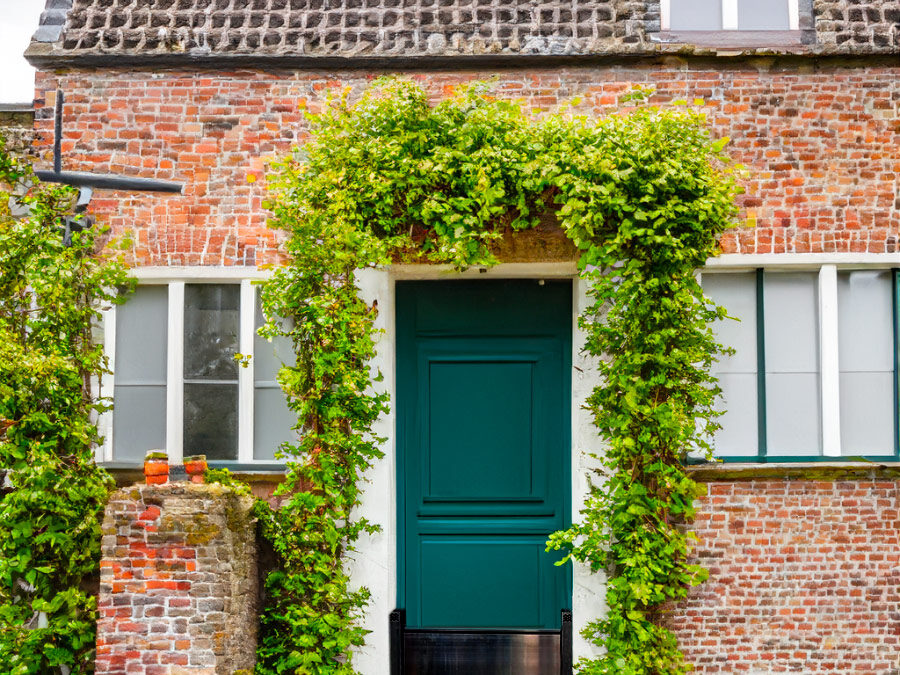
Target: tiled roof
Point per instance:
(343, 28)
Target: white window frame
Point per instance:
(729, 14)
(828, 265)
(175, 278)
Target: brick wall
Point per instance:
(804, 578)
(178, 582)
(820, 146)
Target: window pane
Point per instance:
(273, 422)
(269, 356)
(139, 421)
(866, 357)
(736, 373)
(793, 417)
(696, 15)
(865, 321)
(792, 322)
(763, 15)
(141, 335)
(211, 325)
(737, 294)
(867, 414)
(211, 420)
(793, 420)
(739, 435)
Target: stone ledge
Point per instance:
(822, 471)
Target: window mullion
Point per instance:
(246, 375)
(762, 429)
(896, 307)
(729, 14)
(829, 364)
(794, 14)
(175, 374)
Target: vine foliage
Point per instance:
(644, 194)
(53, 496)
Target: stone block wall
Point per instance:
(858, 25)
(804, 578)
(819, 143)
(178, 582)
(17, 127)
(411, 29)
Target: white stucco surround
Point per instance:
(374, 565)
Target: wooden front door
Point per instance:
(484, 451)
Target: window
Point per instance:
(718, 15)
(177, 385)
(814, 373)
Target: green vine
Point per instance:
(53, 498)
(644, 195)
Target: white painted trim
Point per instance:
(160, 274)
(175, 374)
(588, 588)
(829, 368)
(374, 563)
(501, 271)
(108, 383)
(729, 14)
(665, 14)
(245, 375)
(800, 261)
(794, 14)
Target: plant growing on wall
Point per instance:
(644, 195)
(52, 499)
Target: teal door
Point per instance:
(484, 450)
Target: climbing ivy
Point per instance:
(643, 194)
(53, 494)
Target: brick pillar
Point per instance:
(178, 582)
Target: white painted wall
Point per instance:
(374, 565)
(588, 590)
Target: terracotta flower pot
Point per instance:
(156, 468)
(196, 467)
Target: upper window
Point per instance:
(717, 15)
(814, 370)
(177, 385)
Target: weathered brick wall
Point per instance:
(804, 578)
(178, 582)
(820, 144)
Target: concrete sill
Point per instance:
(733, 42)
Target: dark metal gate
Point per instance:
(462, 651)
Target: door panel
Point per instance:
(479, 435)
(465, 576)
(484, 448)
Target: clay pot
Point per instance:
(196, 467)
(156, 468)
